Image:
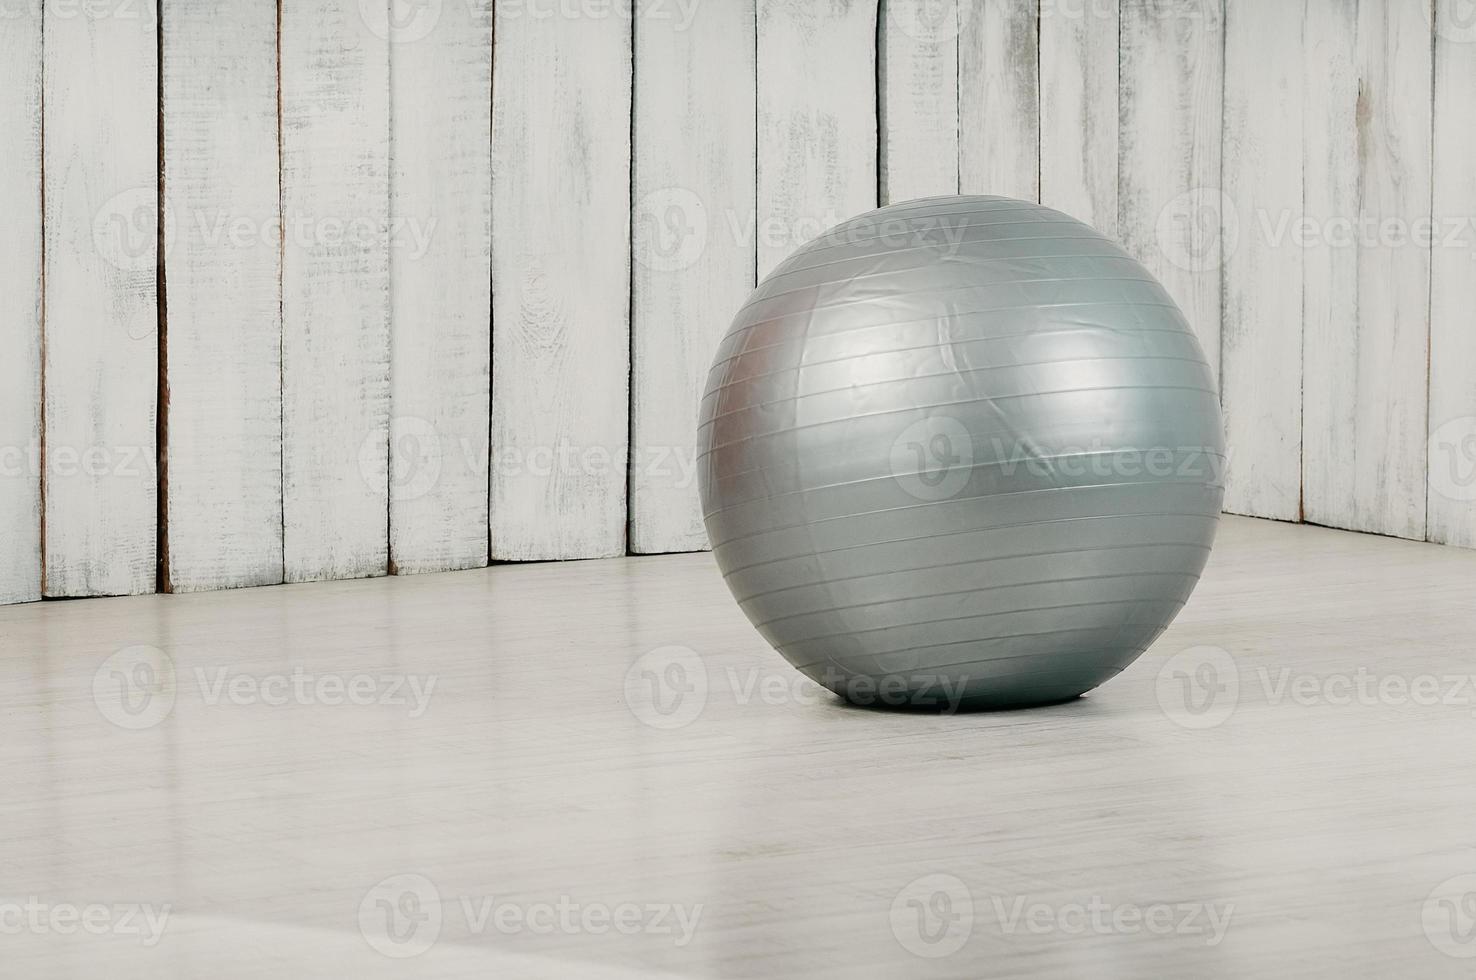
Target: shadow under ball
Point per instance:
(963, 450)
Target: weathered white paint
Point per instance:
(440, 283)
(380, 327)
(561, 286)
(1079, 110)
(999, 99)
(223, 280)
(1330, 287)
(1171, 208)
(20, 308)
(101, 312)
(335, 290)
(918, 76)
(1452, 446)
(1262, 330)
(817, 134)
(1367, 299)
(693, 264)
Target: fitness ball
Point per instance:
(963, 451)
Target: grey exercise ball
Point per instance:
(963, 450)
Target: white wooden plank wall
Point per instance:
(1171, 209)
(817, 133)
(1452, 445)
(917, 77)
(1330, 287)
(1261, 370)
(561, 108)
(20, 308)
(223, 283)
(101, 301)
(335, 289)
(694, 246)
(440, 282)
(999, 99)
(1079, 109)
(1368, 182)
(464, 310)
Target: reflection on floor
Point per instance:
(598, 769)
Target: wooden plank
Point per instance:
(223, 499)
(1078, 110)
(694, 178)
(1262, 338)
(1368, 278)
(999, 100)
(20, 308)
(918, 77)
(817, 134)
(101, 299)
(1330, 289)
(561, 286)
(1452, 445)
(1170, 207)
(440, 286)
(335, 291)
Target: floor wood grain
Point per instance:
(493, 769)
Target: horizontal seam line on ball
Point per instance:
(748, 379)
(953, 373)
(859, 277)
(1116, 256)
(991, 399)
(936, 503)
(969, 561)
(1111, 250)
(871, 300)
(953, 346)
(978, 591)
(973, 530)
(959, 619)
(1068, 328)
(809, 338)
(1111, 650)
(882, 478)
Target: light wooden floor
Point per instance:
(817, 839)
